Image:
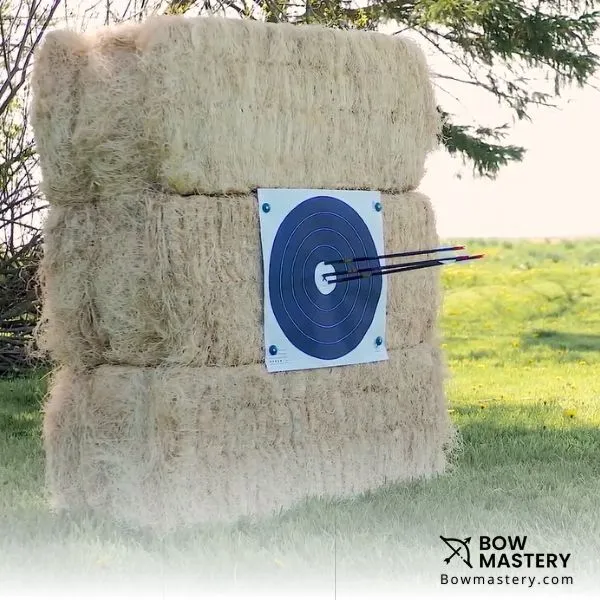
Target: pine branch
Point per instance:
(476, 145)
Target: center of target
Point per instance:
(324, 286)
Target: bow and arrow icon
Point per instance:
(457, 546)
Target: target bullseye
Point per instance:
(324, 286)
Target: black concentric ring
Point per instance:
(324, 326)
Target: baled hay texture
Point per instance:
(63, 434)
(88, 92)
(153, 278)
(165, 447)
(210, 105)
(109, 133)
(56, 91)
(239, 105)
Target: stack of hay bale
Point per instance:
(153, 139)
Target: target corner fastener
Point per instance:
(378, 340)
(378, 206)
(266, 207)
(273, 350)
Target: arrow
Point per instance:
(395, 255)
(352, 275)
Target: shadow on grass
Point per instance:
(519, 463)
(576, 342)
(539, 435)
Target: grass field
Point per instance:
(522, 338)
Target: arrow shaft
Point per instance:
(395, 255)
(408, 264)
(388, 270)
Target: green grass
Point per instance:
(522, 338)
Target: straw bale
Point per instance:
(165, 447)
(56, 91)
(287, 106)
(154, 278)
(63, 433)
(214, 106)
(109, 131)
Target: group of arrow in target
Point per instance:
(354, 270)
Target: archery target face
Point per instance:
(308, 321)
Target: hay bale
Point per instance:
(56, 91)
(215, 106)
(165, 447)
(152, 278)
(109, 134)
(63, 434)
(287, 106)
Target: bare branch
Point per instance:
(25, 52)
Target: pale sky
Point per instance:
(552, 193)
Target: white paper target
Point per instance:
(309, 321)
